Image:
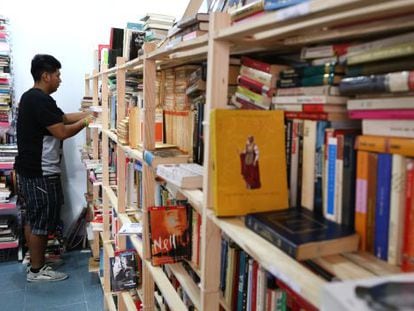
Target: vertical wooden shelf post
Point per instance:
(147, 172)
(120, 154)
(216, 97)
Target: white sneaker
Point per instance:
(46, 274)
(51, 262)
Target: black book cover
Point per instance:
(293, 228)
(124, 270)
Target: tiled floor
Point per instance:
(80, 292)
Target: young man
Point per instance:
(41, 128)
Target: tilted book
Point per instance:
(124, 272)
(249, 166)
(302, 234)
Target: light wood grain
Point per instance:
(109, 302)
(342, 268)
(371, 263)
(216, 97)
(127, 302)
(187, 283)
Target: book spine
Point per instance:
(331, 214)
(247, 10)
(402, 146)
(395, 235)
(319, 163)
(308, 173)
(386, 114)
(348, 181)
(380, 103)
(255, 283)
(382, 209)
(308, 100)
(309, 91)
(371, 200)
(390, 128)
(288, 146)
(265, 78)
(264, 100)
(339, 171)
(254, 85)
(270, 235)
(294, 163)
(399, 50)
(408, 245)
(256, 64)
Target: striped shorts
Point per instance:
(43, 198)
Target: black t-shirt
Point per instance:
(39, 151)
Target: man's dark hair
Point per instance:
(43, 63)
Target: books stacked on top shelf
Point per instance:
(242, 11)
(8, 228)
(125, 272)
(379, 82)
(116, 45)
(256, 84)
(134, 36)
(246, 285)
(156, 26)
(6, 79)
(188, 28)
(185, 175)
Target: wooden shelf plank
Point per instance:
(187, 283)
(195, 197)
(128, 301)
(110, 302)
(112, 197)
(111, 135)
(287, 269)
(135, 154)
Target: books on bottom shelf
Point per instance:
(184, 175)
(380, 293)
(301, 234)
(124, 270)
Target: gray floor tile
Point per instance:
(12, 300)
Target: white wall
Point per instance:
(71, 30)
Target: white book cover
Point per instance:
(392, 128)
(381, 103)
(187, 175)
(309, 99)
(397, 209)
(308, 171)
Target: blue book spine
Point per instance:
(382, 208)
(242, 280)
(330, 210)
(271, 5)
(319, 162)
(223, 264)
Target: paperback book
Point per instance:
(124, 270)
(169, 231)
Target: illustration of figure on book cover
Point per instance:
(249, 158)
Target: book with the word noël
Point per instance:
(302, 234)
(169, 231)
(249, 165)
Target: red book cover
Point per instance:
(254, 286)
(170, 239)
(244, 104)
(386, 114)
(408, 244)
(256, 64)
(255, 86)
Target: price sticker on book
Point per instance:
(293, 11)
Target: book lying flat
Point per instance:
(185, 175)
(302, 234)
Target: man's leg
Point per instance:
(37, 248)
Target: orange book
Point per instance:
(402, 146)
(408, 244)
(249, 165)
(361, 194)
(371, 200)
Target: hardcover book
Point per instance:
(249, 166)
(302, 234)
(169, 230)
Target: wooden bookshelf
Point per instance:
(282, 30)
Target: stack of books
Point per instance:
(379, 81)
(256, 84)
(8, 225)
(6, 84)
(156, 26)
(123, 131)
(188, 28)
